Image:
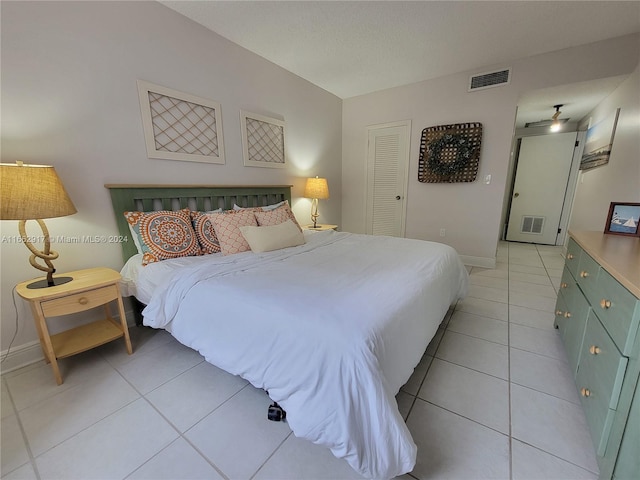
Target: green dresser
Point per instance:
(598, 316)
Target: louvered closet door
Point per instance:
(387, 167)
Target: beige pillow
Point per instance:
(273, 237)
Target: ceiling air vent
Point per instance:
(489, 80)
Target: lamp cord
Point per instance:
(15, 334)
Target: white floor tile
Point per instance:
(452, 447)
(244, 438)
(544, 374)
(487, 281)
(531, 318)
(528, 269)
(413, 384)
(489, 293)
(178, 460)
(551, 424)
(143, 340)
(530, 278)
(110, 449)
(532, 288)
(13, 449)
(148, 371)
(490, 272)
(531, 300)
(484, 308)
(25, 472)
(535, 340)
(194, 394)
(529, 463)
(435, 342)
(480, 327)
(61, 416)
(474, 395)
(405, 402)
(298, 458)
(6, 405)
(475, 353)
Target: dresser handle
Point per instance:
(563, 285)
(585, 392)
(83, 300)
(593, 350)
(567, 314)
(559, 313)
(570, 256)
(584, 274)
(604, 303)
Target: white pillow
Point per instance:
(273, 237)
(266, 208)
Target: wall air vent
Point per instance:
(489, 80)
(532, 225)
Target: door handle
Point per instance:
(516, 195)
(398, 197)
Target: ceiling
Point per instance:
(352, 48)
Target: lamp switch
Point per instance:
(487, 179)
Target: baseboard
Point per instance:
(31, 352)
(482, 262)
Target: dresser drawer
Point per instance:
(79, 302)
(573, 256)
(571, 313)
(587, 277)
(618, 310)
(599, 380)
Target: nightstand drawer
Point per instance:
(79, 302)
(618, 310)
(599, 380)
(573, 257)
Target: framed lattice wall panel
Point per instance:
(262, 140)
(180, 126)
(450, 153)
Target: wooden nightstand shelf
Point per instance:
(89, 288)
(320, 227)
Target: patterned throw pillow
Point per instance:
(164, 234)
(227, 227)
(205, 232)
(275, 216)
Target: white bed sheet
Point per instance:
(332, 329)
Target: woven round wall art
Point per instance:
(450, 153)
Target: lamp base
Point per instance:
(44, 283)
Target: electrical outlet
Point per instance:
(442, 232)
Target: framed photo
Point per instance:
(623, 219)
(599, 141)
(180, 126)
(262, 140)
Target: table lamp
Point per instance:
(316, 188)
(34, 192)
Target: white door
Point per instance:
(387, 175)
(539, 189)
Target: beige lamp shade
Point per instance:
(316, 188)
(30, 192)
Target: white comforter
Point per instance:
(332, 329)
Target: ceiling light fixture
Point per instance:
(555, 124)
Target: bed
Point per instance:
(331, 328)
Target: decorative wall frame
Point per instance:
(599, 141)
(180, 126)
(450, 153)
(262, 140)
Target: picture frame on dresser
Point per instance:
(623, 219)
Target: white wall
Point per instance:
(619, 180)
(469, 212)
(69, 99)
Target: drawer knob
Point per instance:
(604, 303)
(585, 392)
(584, 274)
(563, 285)
(593, 350)
(570, 256)
(83, 300)
(559, 313)
(567, 314)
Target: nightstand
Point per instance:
(91, 288)
(320, 227)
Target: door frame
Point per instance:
(405, 175)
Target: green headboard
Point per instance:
(127, 198)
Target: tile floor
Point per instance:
(492, 398)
